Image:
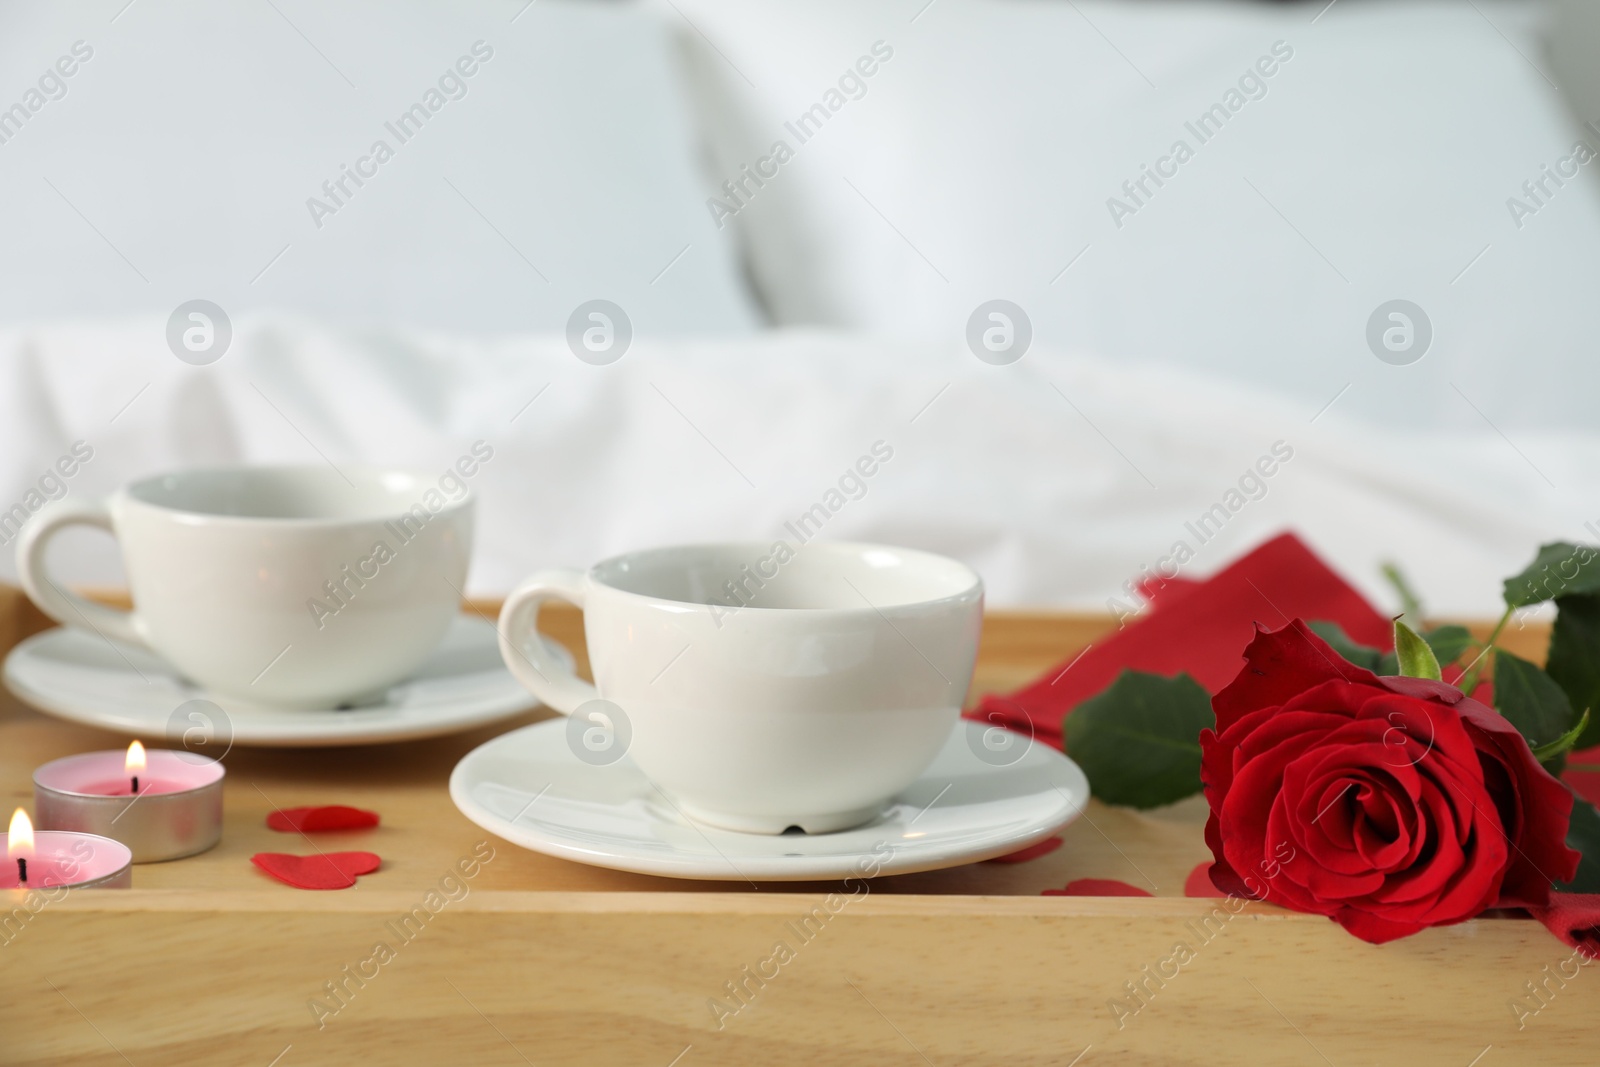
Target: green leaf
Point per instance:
(1560, 569)
(1574, 659)
(1531, 699)
(1139, 740)
(1416, 659)
(1583, 834)
(1563, 744)
(1449, 643)
(1342, 643)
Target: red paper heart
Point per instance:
(1198, 884)
(316, 819)
(331, 870)
(1032, 852)
(1096, 887)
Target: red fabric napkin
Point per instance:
(326, 870)
(325, 818)
(1200, 628)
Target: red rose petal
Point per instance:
(1541, 855)
(332, 870)
(1375, 929)
(1198, 884)
(1096, 887)
(1032, 852)
(1279, 666)
(318, 819)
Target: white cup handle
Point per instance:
(69, 609)
(526, 656)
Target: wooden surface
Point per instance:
(538, 960)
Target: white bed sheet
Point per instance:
(1058, 477)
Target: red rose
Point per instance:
(1387, 804)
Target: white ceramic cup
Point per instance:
(811, 707)
(268, 584)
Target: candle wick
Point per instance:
(22, 870)
(136, 784)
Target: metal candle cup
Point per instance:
(177, 811)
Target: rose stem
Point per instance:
(1469, 681)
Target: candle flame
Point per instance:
(135, 761)
(20, 841)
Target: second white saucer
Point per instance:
(530, 787)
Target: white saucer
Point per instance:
(85, 678)
(528, 787)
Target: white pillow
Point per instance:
(191, 143)
(982, 161)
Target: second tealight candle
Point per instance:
(175, 812)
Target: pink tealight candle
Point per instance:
(53, 859)
(136, 779)
(162, 804)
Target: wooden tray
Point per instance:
(545, 961)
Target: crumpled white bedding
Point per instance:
(1059, 477)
